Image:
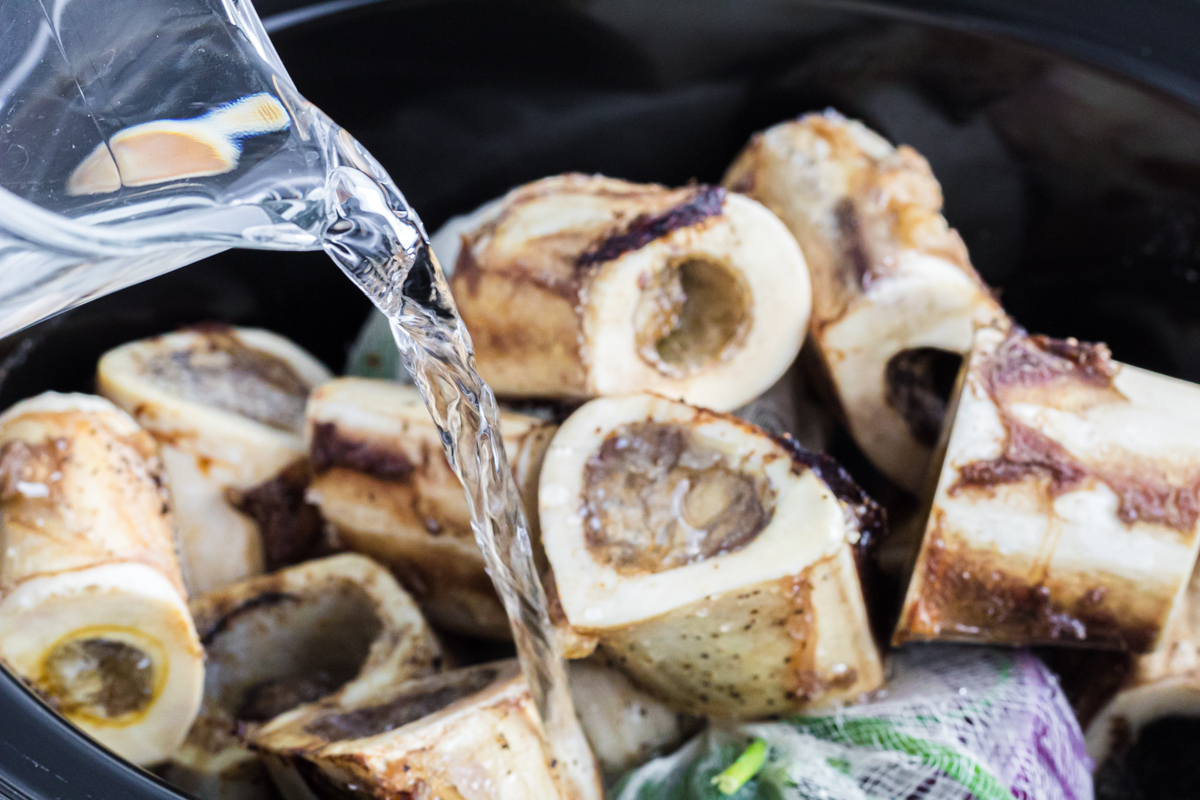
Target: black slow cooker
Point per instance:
(1066, 135)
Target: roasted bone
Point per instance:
(895, 299)
(1066, 508)
(381, 477)
(713, 564)
(470, 733)
(578, 286)
(227, 407)
(93, 612)
(336, 627)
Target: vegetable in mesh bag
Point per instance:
(955, 723)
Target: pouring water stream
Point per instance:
(380, 243)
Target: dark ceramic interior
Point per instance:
(1076, 188)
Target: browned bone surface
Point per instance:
(465, 734)
(1070, 428)
(968, 594)
(645, 228)
(895, 298)
(36, 527)
(888, 203)
(525, 304)
(292, 530)
(382, 482)
(714, 564)
(398, 711)
(331, 448)
(304, 635)
(1032, 368)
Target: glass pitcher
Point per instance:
(137, 136)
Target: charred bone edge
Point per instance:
(1164, 682)
(625, 725)
(207, 450)
(888, 274)
(1014, 561)
(479, 726)
(712, 637)
(382, 479)
(552, 307)
(101, 565)
(214, 762)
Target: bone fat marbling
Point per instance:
(1065, 510)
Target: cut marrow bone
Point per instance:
(577, 286)
(227, 407)
(1066, 508)
(472, 733)
(381, 477)
(895, 299)
(337, 627)
(713, 564)
(93, 611)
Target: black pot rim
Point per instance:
(1148, 41)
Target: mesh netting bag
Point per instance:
(954, 723)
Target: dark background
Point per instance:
(1065, 135)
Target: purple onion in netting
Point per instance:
(1050, 754)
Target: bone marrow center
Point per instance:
(223, 372)
(691, 315)
(104, 680)
(657, 497)
(320, 641)
(396, 713)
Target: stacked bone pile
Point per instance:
(708, 565)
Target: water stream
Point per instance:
(380, 243)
